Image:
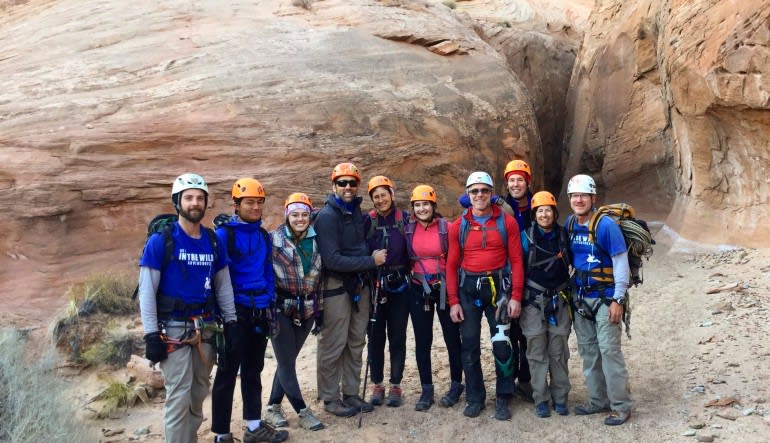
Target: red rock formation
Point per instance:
(102, 106)
(668, 110)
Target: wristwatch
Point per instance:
(619, 300)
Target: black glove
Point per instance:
(319, 322)
(232, 337)
(154, 348)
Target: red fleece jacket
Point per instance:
(477, 259)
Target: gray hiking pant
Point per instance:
(604, 367)
(547, 351)
(341, 343)
(186, 377)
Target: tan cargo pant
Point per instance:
(341, 343)
(186, 377)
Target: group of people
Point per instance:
(345, 274)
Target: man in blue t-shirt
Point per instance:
(179, 290)
(249, 251)
(601, 278)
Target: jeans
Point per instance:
(422, 323)
(286, 347)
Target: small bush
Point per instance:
(306, 4)
(115, 350)
(109, 293)
(105, 293)
(33, 406)
(114, 397)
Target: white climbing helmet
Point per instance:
(581, 183)
(479, 177)
(187, 181)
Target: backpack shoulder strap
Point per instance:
(212, 236)
(465, 226)
(168, 245)
(373, 223)
(443, 232)
(502, 230)
(532, 246)
(231, 249)
(409, 229)
(593, 224)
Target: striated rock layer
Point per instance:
(101, 106)
(669, 108)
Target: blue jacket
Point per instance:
(251, 268)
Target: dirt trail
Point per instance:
(688, 348)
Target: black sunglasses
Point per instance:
(346, 183)
(476, 191)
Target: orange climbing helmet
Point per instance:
(247, 187)
(379, 180)
(518, 166)
(346, 169)
(423, 193)
(298, 197)
(543, 198)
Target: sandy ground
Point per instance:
(689, 348)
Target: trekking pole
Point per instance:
(372, 320)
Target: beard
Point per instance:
(193, 216)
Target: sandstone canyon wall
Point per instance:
(102, 105)
(669, 108)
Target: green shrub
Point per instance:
(33, 405)
(115, 350)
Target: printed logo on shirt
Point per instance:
(580, 239)
(592, 259)
(195, 259)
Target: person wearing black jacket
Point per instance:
(346, 301)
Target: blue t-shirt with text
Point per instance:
(587, 256)
(189, 274)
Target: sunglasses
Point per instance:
(477, 191)
(346, 183)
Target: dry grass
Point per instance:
(81, 326)
(33, 406)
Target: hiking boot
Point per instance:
(473, 409)
(394, 397)
(453, 395)
(426, 399)
(561, 408)
(589, 408)
(617, 418)
(228, 438)
(264, 433)
(309, 421)
(357, 402)
(502, 411)
(542, 410)
(340, 410)
(524, 390)
(274, 416)
(378, 395)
